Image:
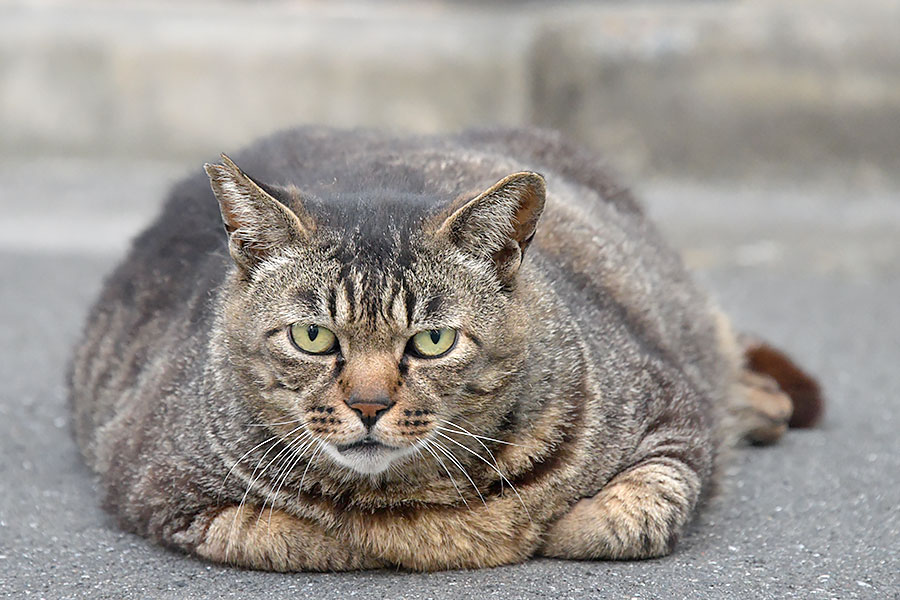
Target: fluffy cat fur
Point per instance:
(582, 413)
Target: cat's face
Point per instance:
(372, 340)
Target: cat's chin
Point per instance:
(366, 457)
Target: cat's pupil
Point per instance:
(312, 332)
(435, 336)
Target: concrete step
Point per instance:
(767, 88)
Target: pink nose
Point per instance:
(369, 410)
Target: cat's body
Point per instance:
(609, 375)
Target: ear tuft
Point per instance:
(257, 224)
(500, 223)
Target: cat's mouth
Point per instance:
(367, 456)
(365, 445)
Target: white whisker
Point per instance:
(253, 478)
(446, 470)
(311, 459)
(299, 420)
(284, 470)
(500, 473)
(238, 461)
(446, 452)
(475, 435)
(247, 453)
(476, 438)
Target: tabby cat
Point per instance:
(424, 352)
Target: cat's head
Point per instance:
(374, 329)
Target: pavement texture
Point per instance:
(816, 516)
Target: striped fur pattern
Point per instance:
(581, 413)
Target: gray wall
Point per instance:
(798, 89)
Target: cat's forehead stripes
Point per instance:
(343, 306)
(377, 302)
(310, 300)
(409, 304)
(359, 298)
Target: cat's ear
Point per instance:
(499, 223)
(257, 224)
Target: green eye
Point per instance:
(313, 339)
(434, 342)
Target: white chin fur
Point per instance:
(367, 462)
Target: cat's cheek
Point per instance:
(412, 415)
(326, 415)
(440, 378)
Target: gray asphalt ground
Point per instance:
(816, 516)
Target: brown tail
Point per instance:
(802, 388)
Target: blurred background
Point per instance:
(763, 135)
(804, 88)
(724, 109)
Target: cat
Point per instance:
(417, 352)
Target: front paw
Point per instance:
(242, 536)
(272, 541)
(638, 515)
